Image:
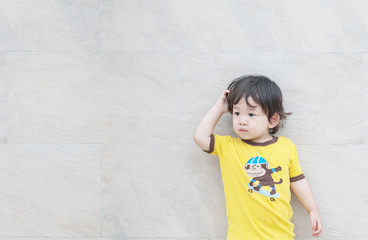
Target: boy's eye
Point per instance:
(236, 113)
(251, 114)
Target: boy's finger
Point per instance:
(314, 225)
(314, 228)
(317, 234)
(317, 229)
(320, 230)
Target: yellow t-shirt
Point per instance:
(256, 181)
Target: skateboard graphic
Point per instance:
(259, 170)
(263, 192)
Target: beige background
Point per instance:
(99, 100)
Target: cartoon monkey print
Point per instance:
(257, 168)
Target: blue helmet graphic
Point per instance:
(256, 160)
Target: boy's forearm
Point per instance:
(206, 126)
(304, 194)
(305, 197)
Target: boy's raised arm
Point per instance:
(208, 123)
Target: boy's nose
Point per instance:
(243, 121)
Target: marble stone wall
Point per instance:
(99, 100)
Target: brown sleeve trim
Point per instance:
(212, 144)
(294, 179)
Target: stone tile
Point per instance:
(3, 99)
(93, 98)
(49, 25)
(50, 191)
(107, 98)
(316, 26)
(336, 174)
(148, 92)
(185, 25)
(54, 97)
(161, 191)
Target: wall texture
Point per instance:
(99, 100)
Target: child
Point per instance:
(258, 169)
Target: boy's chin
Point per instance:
(244, 136)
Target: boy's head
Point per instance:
(262, 91)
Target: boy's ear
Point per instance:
(274, 121)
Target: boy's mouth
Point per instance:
(242, 130)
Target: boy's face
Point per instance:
(252, 123)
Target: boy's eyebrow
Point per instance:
(250, 107)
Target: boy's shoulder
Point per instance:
(228, 138)
(285, 140)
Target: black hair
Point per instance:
(263, 91)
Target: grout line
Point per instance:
(173, 51)
(170, 144)
(7, 73)
(365, 99)
(101, 213)
(99, 26)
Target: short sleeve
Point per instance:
(218, 144)
(295, 170)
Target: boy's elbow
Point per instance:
(201, 142)
(196, 139)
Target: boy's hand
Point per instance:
(222, 102)
(316, 223)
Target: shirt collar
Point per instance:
(250, 142)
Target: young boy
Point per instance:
(258, 169)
